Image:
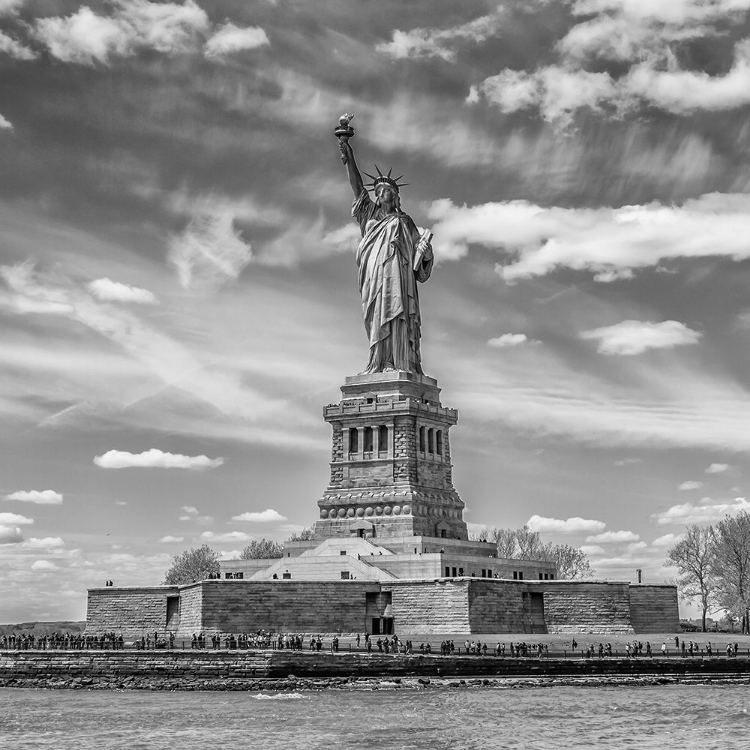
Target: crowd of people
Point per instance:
(61, 641)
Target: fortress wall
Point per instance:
(654, 608)
(430, 606)
(191, 610)
(128, 610)
(585, 606)
(497, 607)
(285, 606)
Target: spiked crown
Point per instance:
(385, 179)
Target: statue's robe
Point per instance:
(388, 285)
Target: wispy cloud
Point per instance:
(226, 538)
(264, 516)
(706, 511)
(564, 526)
(690, 485)
(154, 458)
(510, 339)
(114, 291)
(229, 38)
(635, 337)
(717, 468)
(39, 497)
(614, 537)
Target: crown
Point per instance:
(385, 179)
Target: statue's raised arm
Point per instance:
(387, 279)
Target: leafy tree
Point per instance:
(193, 565)
(303, 536)
(524, 544)
(731, 566)
(262, 549)
(693, 556)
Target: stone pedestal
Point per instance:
(391, 471)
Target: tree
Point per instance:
(731, 566)
(693, 556)
(262, 549)
(303, 536)
(193, 565)
(525, 544)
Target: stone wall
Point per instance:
(497, 607)
(284, 606)
(430, 606)
(585, 606)
(130, 610)
(654, 608)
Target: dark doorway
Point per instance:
(173, 612)
(382, 626)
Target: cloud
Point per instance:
(10, 534)
(635, 337)
(609, 242)
(628, 461)
(636, 547)
(44, 566)
(668, 540)
(431, 42)
(114, 291)
(230, 38)
(717, 468)
(209, 252)
(707, 511)
(190, 510)
(690, 485)
(264, 516)
(169, 539)
(10, 7)
(567, 526)
(229, 536)
(87, 38)
(14, 48)
(47, 542)
(154, 458)
(615, 537)
(5, 124)
(509, 339)
(14, 518)
(40, 497)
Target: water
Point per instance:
(608, 717)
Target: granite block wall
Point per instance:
(585, 607)
(131, 611)
(430, 606)
(497, 607)
(654, 609)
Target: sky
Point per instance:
(178, 289)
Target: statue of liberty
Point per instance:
(392, 257)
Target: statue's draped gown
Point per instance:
(388, 285)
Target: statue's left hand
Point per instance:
(424, 246)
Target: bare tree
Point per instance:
(303, 536)
(260, 549)
(193, 565)
(731, 566)
(571, 562)
(693, 557)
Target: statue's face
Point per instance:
(386, 195)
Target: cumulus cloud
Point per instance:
(564, 526)
(229, 536)
(705, 511)
(209, 252)
(190, 510)
(10, 7)
(610, 242)
(5, 124)
(230, 38)
(169, 539)
(690, 485)
(509, 339)
(614, 537)
(114, 291)
(7, 519)
(432, 42)
(154, 458)
(87, 38)
(592, 550)
(40, 497)
(717, 468)
(264, 516)
(635, 337)
(13, 48)
(10, 534)
(47, 543)
(44, 566)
